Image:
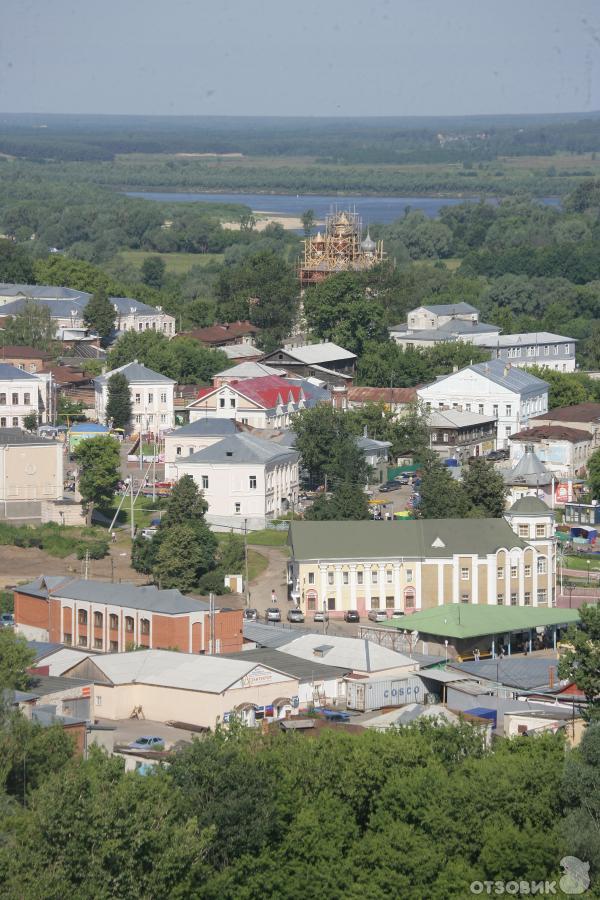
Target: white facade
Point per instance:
(131, 315)
(152, 403)
(23, 394)
(562, 457)
(183, 442)
(491, 389)
(540, 348)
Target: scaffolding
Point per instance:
(341, 248)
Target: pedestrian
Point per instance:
(113, 537)
(273, 597)
(476, 655)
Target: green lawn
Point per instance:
(176, 263)
(581, 563)
(257, 563)
(268, 538)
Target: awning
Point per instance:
(244, 706)
(281, 701)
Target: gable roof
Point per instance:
(465, 620)
(348, 653)
(381, 395)
(295, 666)
(226, 331)
(242, 448)
(413, 538)
(578, 412)
(271, 636)
(211, 426)
(552, 433)
(531, 337)
(524, 673)
(23, 352)
(529, 506)
(43, 292)
(500, 372)
(449, 309)
(137, 373)
(143, 597)
(317, 353)
(13, 373)
(250, 370)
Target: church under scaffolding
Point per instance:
(341, 248)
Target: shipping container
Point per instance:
(377, 693)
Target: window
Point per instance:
(445, 437)
(360, 577)
(467, 407)
(26, 399)
(409, 599)
(514, 571)
(15, 399)
(82, 617)
(140, 326)
(527, 598)
(464, 574)
(311, 577)
(481, 409)
(222, 402)
(67, 638)
(500, 599)
(556, 349)
(330, 578)
(190, 451)
(513, 598)
(204, 482)
(524, 531)
(82, 640)
(15, 422)
(3, 422)
(114, 648)
(138, 398)
(163, 398)
(464, 598)
(178, 451)
(97, 643)
(145, 626)
(331, 603)
(252, 482)
(500, 572)
(113, 622)
(238, 508)
(434, 437)
(244, 421)
(542, 596)
(542, 565)
(129, 624)
(3, 399)
(389, 576)
(508, 429)
(232, 402)
(540, 531)
(374, 602)
(389, 603)
(97, 620)
(345, 577)
(546, 350)
(374, 576)
(409, 575)
(150, 398)
(508, 409)
(527, 571)
(495, 410)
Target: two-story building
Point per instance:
(29, 359)
(584, 416)
(183, 442)
(31, 468)
(246, 480)
(152, 404)
(326, 361)
(133, 315)
(412, 565)
(508, 394)
(117, 617)
(441, 323)
(23, 394)
(534, 348)
(457, 434)
(564, 451)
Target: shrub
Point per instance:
(212, 582)
(96, 549)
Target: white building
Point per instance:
(132, 315)
(534, 348)
(244, 479)
(183, 442)
(564, 451)
(22, 394)
(427, 326)
(510, 395)
(151, 393)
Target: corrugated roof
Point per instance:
(366, 443)
(137, 373)
(381, 395)
(578, 412)
(269, 635)
(552, 433)
(450, 309)
(23, 352)
(12, 373)
(42, 291)
(456, 418)
(529, 470)
(501, 372)
(459, 326)
(525, 673)
(250, 370)
(209, 427)
(241, 351)
(144, 597)
(320, 353)
(239, 449)
(41, 685)
(352, 654)
(126, 305)
(166, 668)
(14, 436)
(464, 620)
(60, 661)
(531, 338)
(413, 538)
(297, 667)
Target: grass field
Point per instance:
(257, 563)
(176, 263)
(581, 563)
(268, 538)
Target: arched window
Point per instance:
(409, 598)
(129, 623)
(97, 620)
(82, 617)
(145, 626)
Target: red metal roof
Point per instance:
(16, 352)
(219, 334)
(381, 395)
(267, 390)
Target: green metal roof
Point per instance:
(529, 506)
(460, 620)
(415, 539)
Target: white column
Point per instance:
(534, 579)
(382, 586)
(338, 587)
(352, 578)
(521, 601)
(440, 583)
(492, 577)
(455, 577)
(474, 579)
(368, 585)
(417, 584)
(397, 589)
(323, 593)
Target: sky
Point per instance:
(294, 58)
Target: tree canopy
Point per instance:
(185, 360)
(118, 404)
(99, 315)
(32, 327)
(99, 461)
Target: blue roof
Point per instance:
(85, 427)
(12, 373)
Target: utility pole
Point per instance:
(246, 585)
(154, 470)
(86, 571)
(132, 513)
(211, 615)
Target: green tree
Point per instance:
(581, 793)
(581, 661)
(339, 310)
(153, 271)
(485, 489)
(566, 388)
(98, 460)
(231, 554)
(15, 657)
(99, 315)
(15, 264)
(308, 221)
(186, 504)
(593, 467)
(441, 496)
(30, 753)
(118, 405)
(30, 422)
(32, 327)
(183, 359)
(328, 447)
(348, 501)
(185, 554)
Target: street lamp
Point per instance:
(588, 570)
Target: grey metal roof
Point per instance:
(145, 597)
(428, 334)
(250, 370)
(210, 427)
(459, 326)
(41, 685)
(303, 670)
(59, 309)
(450, 309)
(43, 292)
(366, 443)
(126, 305)
(41, 648)
(531, 338)
(511, 377)
(320, 353)
(525, 673)
(238, 351)
(529, 506)
(240, 449)
(12, 436)
(137, 373)
(456, 418)
(270, 635)
(12, 373)
(529, 470)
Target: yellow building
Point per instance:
(422, 563)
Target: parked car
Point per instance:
(351, 615)
(147, 743)
(295, 615)
(321, 615)
(377, 615)
(389, 486)
(273, 614)
(396, 613)
(250, 615)
(7, 620)
(149, 533)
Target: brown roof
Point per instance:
(24, 352)
(218, 334)
(381, 395)
(68, 375)
(553, 433)
(579, 412)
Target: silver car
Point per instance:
(377, 615)
(273, 614)
(295, 615)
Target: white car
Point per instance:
(377, 615)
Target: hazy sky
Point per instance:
(288, 57)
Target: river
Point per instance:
(371, 209)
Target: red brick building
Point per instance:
(110, 618)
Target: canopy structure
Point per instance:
(462, 621)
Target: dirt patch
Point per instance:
(18, 564)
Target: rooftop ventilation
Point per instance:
(322, 649)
